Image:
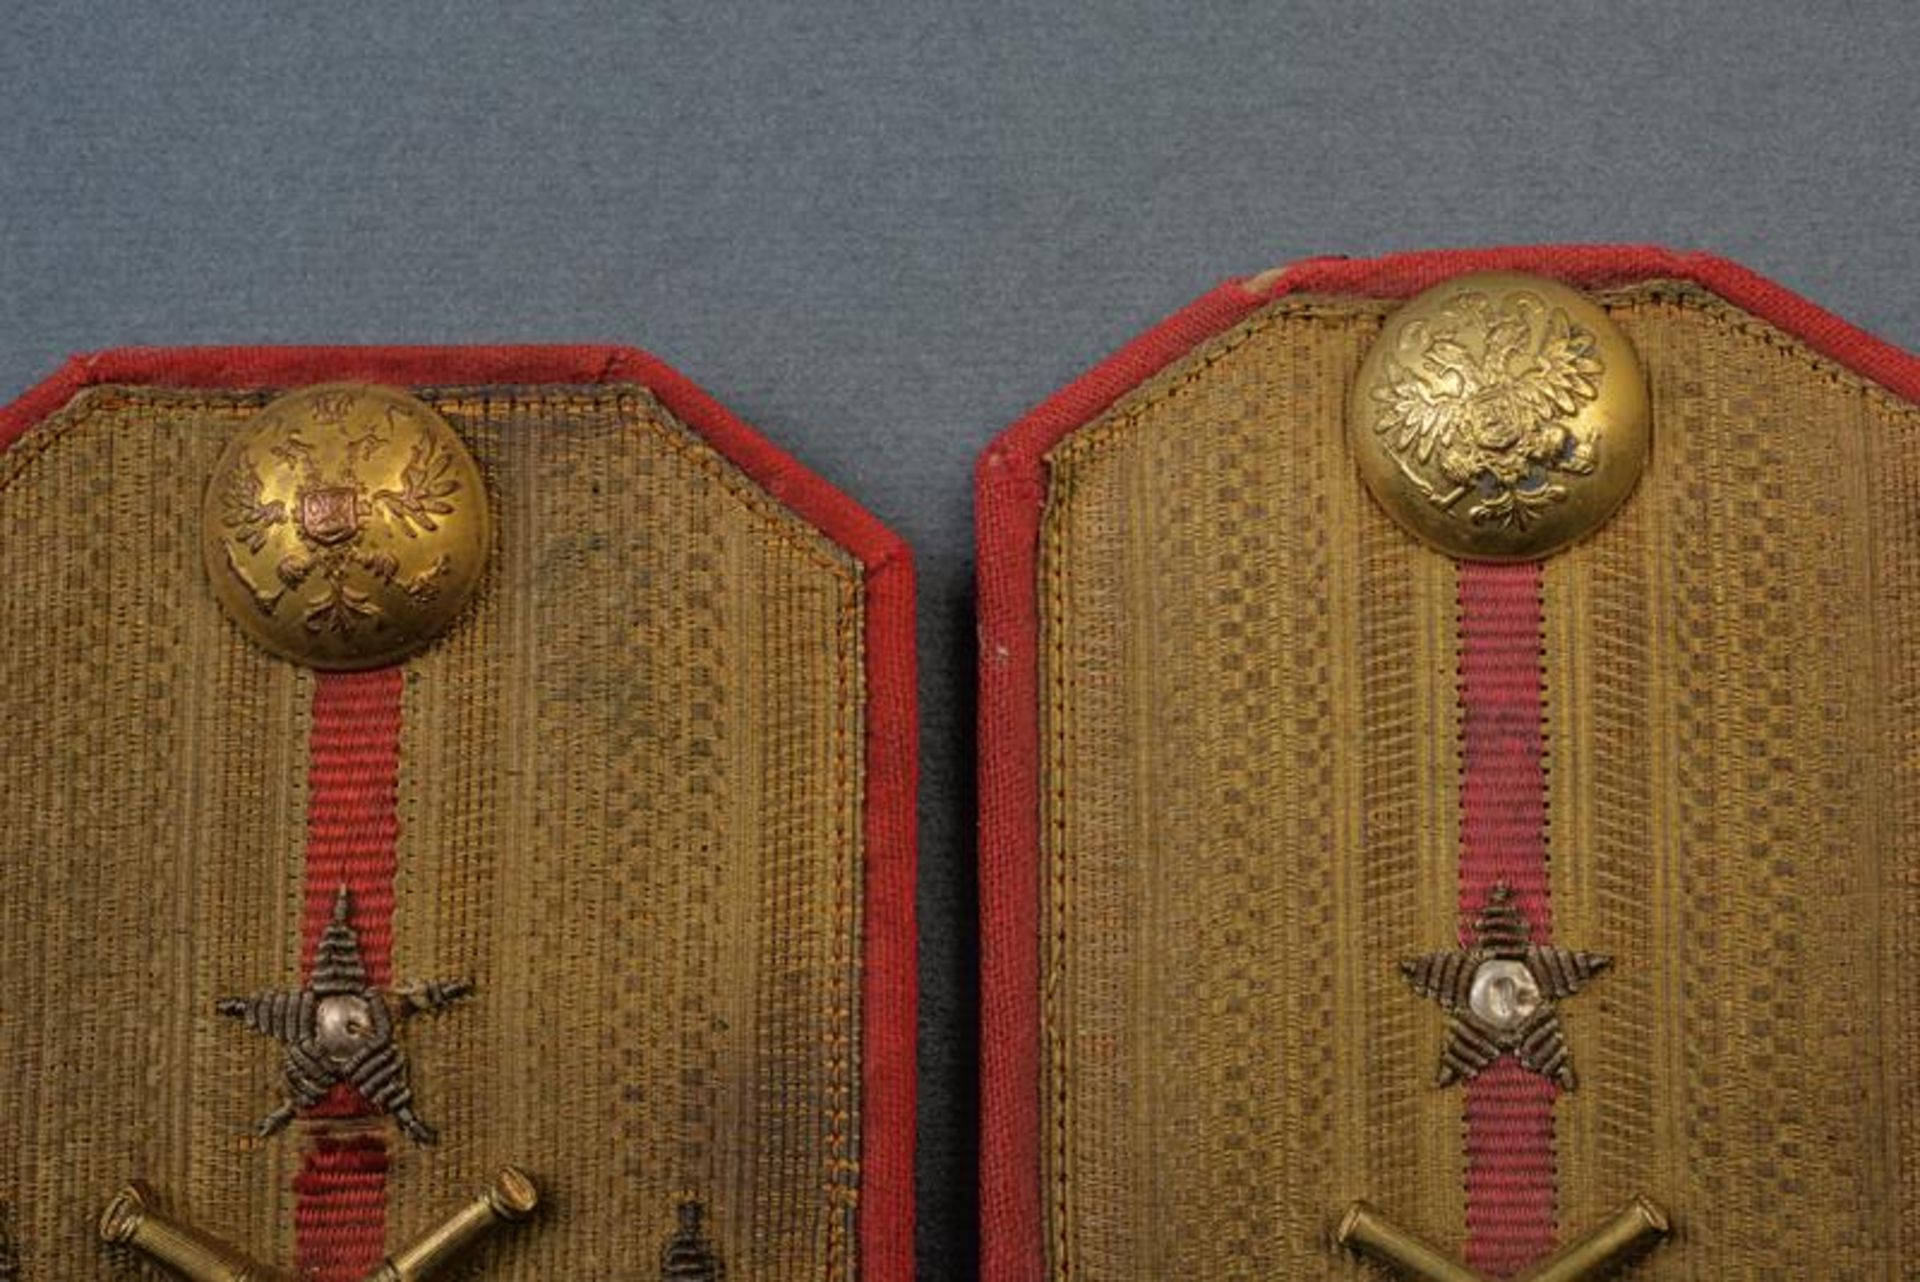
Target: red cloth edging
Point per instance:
(353, 831)
(1511, 1180)
(353, 821)
(340, 1206)
(1010, 495)
(1503, 781)
(890, 980)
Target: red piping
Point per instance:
(890, 984)
(1010, 493)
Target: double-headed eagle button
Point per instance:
(346, 526)
(1500, 417)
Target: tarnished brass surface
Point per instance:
(132, 1219)
(1365, 1230)
(1500, 417)
(1631, 1231)
(346, 526)
(513, 1196)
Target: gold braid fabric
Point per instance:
(1249, 742)
(630, 808)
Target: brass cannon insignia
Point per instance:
(133, 1219)
(1497, 668)
(593, 702)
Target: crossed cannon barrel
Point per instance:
(133, 1219)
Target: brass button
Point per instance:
(346, 526)
(1500, 417)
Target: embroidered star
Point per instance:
(339, 1028)
(1502, 995)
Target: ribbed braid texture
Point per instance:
(632, 811)
(353, 825)
(353, 779)
(1503, 801)
(1503, 805)
(1248, 688)
(340, 1208)
(1730, 711)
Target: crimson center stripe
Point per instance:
(1503, 839)
(353, 828)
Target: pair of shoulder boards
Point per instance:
(1450, 806)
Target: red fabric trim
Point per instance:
(1602, 266)
(1011, 491)
(340, 1207)
(1503, 782)
(353, 821)
(890, 983)
(353, 828)
(1511, 1177)
(891, 987)
(1010, 496)
(1503, 840)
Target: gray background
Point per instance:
(880, 232)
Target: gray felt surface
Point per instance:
(881, 231)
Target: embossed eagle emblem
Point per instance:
(329, 515)
(1480, 400)
(427, 489)
(244, 508)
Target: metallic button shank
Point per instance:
(346, 526)
(1500, 417)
